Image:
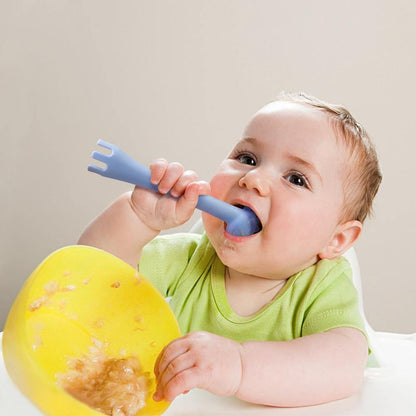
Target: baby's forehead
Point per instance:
(282, 118)
(299, 127)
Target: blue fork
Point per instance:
(120, 166)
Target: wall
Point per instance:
(180, 79)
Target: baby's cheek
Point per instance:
(217, 187)
(224, 180)
(214, 228)
(210, 223)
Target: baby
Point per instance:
(271, 318)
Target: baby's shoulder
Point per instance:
(324, 274)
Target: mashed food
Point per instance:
(113, 386)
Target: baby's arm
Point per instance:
(305, 371)
(137, 217)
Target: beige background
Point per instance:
(180, 79)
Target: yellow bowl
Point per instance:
(75, 296)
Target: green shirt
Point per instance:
(186, 268)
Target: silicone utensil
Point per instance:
(120, 166)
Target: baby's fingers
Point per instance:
(181, 383)
(176, 369)
(157, 170)
(194, 189)
(165, 174)
(177, 348)
(187, 203)
(186, 178)
(171, 351)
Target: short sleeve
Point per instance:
(165, 258)
(334, 303)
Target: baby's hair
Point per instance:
(363, 175)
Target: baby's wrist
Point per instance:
(148, 231)
(239, 374)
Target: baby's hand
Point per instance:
(159, 211)
(198, 359)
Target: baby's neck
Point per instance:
(248, 294)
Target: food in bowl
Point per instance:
(112, 386)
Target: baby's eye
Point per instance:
(297, 179)
(246, 159)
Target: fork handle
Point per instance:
(126, 169)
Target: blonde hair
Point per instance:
(363, 175)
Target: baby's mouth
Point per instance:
(254, 223)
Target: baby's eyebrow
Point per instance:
(310, 166)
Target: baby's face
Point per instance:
(289, 168)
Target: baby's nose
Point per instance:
(255, 180)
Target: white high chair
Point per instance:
(389, 384)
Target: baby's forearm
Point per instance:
(119, 231)
(305, 371)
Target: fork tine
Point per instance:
(101, 157)
(96, 169)
(107, 145)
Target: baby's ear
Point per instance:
(344, 237)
